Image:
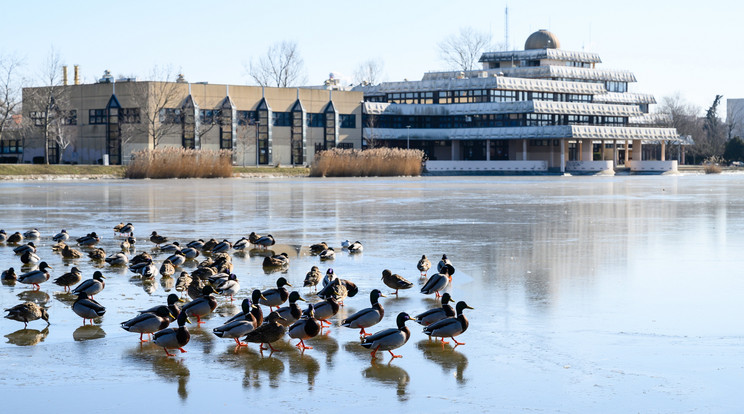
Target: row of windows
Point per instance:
(11, 146)
(280, 119)
(487, 120)
(476, 96)
(126, 116)
(37, 117)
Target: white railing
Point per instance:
(589, 166)
(653, 166)
(464, 166)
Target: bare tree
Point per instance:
(368, 72)
(282, 66)
(10, 91)
(153, 98)
(461, 51)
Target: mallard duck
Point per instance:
(209, 245)
(237, 328)
(313, 277)
(355, 247)
(438, 281)
(196, 288)
(32, 234)
(147, 323)
(267, 333)
(327, 254)
(3, 236)
(339, 289)
(305, 328)
(423, 265)
(59, 246)
(87, 308)
(158, 239)
(389, 339)
(437, 314)
(201, 306)
(190, 253)
(15, 238)
(450, 327)
(277, 260)
(241, 244)
(117, 259)
(222, 247)
(329, 277)
(61, 236)
(173, 306)
(127, 244)
(70, 253)
(395, 281)
(9, 275)
(277, 296)
(27, 312)
(256, 296)
(28, 247)
(326, 309)
(30, 258)
(147, 269)
(92, 286)
(318, 247)
(37, 276)
(445, 261)
(97, 254)
(70, 278)
(229, 287)
(170, 338)
(368, 316)
(170, 248)
(182, 282)
(91, 239)
(253, 237)
(141, 258)
(222, 263)
(196, 244)
(265, 241)
(117, 228)
(177, 258)
(167, 269)
(292, 312)
(127, 229)
(345, 244)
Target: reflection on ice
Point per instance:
(445, 356)
(391, 375)
(38, 296)
(27, 337)
(170, 369)
(88, 332)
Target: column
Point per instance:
(488, 150)
(614, 153)
(626, 153)
(524, 150)
(563, 155)
(637, 150)
(663, 150)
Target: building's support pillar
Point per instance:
(614, 153)
(563, 155)
(663, 150)
(524, 150)
(488, 150)
(587, 147)
(580, 145)
(637, 150)
(627, 152)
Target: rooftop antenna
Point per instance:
(506, 28)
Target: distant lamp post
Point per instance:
(408, 137)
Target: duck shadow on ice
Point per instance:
(445, 356)
(389, 374)
(257, 366)
(170, 369)
(27, 337)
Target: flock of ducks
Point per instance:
(214, 276)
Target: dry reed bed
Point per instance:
(376, 162)
(172, 162)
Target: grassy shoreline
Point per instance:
(37, 171)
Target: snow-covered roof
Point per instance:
(499, 82)
(532, 54)
(531, 132)
(553, 71)
(625, 98)
(540, 107)
(650, 119)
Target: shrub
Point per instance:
(173, 162)
(377, 162)
(712, 165)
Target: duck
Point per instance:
(158, 239)
(201, 306)
(170, 338)
(196, 244)
(445, 261)
(35, 277)
(147, 269)
(329, 277)
(237, 328)
(229, 287)
(9, 275)
(389, 339)
(339, 289)
(196, 288)
(61, 236)
(326, 309)
(241, 244)
(177, 258)
(28, 247)
(167, 269)
(32, 234)
(92, 286)
(190, 253)
(345, 244)
(306, 328)
(318, 247)
(3, 236)
(27, 312)
(256, 296)
(59, 246)
(141, 258)
(173, 306)
(292, 312)
(265, 241)
(128, 244)
(127, 229)
(118, 227)
(70, 278)
(209, 245)
(91, 239)
(30, 258)
(87, 308)
(423, 265)
(277, 260)
(395, 281)
(276, 296)
(148, 323)
(97, 254)
(253, 237)
(312, 278)
(355, 247)
(327, 254)
(117, 259)
(437, 314)
(267, 333)
(438, 281)
(182, 282)
(15, 238)
(450, 327)
(70, 253)
(222, 247)
(368, 316)
(172, 247)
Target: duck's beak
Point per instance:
(288, 284)
(188, 320)
(173, 317)
(451, 300)
(469, 307)
(263, 297)
(181, 300)
(301, 299)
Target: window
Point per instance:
(97, 116)
(282, 119)
(129, 115)
(347, 121)
(37, 117)
(247, 117)
(170, 116)
(315, 120)
(209, 116)
(616, 86)
(11, 146)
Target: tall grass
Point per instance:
(173, 162)
(712, 165)
(376, 162)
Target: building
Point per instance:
(535, 110)
(109, 120)
(735, 117)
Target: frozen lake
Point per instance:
(591, 294)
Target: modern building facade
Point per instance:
(539, 109)
(109, 120)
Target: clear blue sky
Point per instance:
(684, 46)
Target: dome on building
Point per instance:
(542, 39)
